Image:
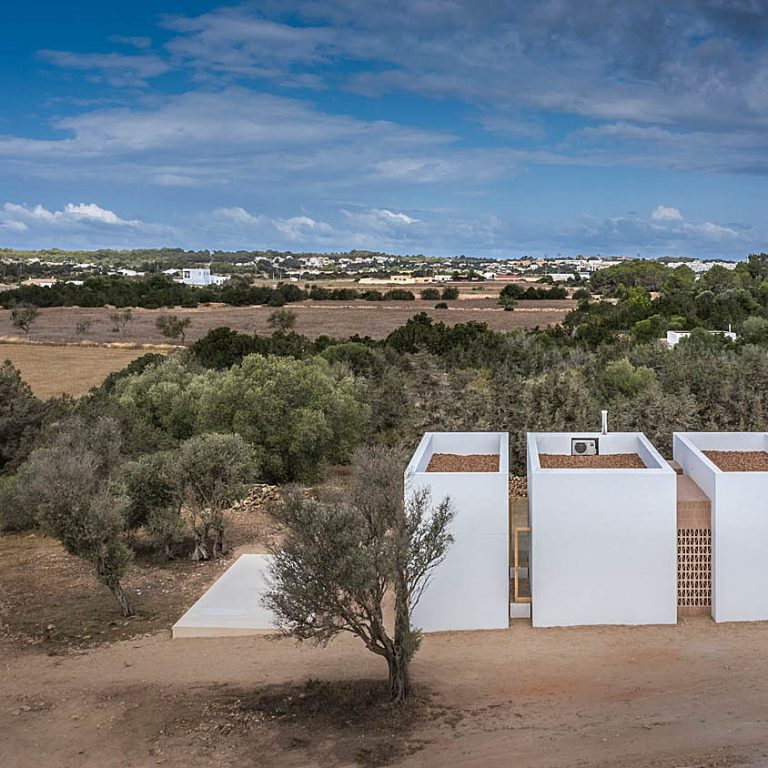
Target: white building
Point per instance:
(700, 267)
(739, 522)
(603, 540)
(674, 337)
(622, 538)
(202, 277)
(470, 588)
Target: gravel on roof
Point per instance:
(602, 461)
(739, 461)
(452, 462)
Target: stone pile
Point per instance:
(518, 487)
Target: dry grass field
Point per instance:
(336, 319)
(65, 370)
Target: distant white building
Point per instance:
(201, 277)
(700, 267)
(673, 337)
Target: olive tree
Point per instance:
(120, 320)
(209, 472)
(154, 501)
(300, 415)
(339, 559)
(23, 315)
(282, 320)
(172, 326)
(69, 484)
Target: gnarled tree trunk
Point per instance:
(122, 600)
(399, 675)
(401, 648)
(201, 543)
(218, 543)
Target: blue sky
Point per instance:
(441, 127)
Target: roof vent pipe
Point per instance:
(604, 415)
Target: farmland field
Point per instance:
(71, 370)
(333, 318)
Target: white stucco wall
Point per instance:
(470, 588)
(739, 522)
(603, 541)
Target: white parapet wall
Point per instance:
(739, 522)
(470, 588)
(603, 541)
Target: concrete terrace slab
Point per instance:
(232, 606)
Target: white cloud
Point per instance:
(664, 232)
(184, 140)
(299, 229)
(114, 68)
(382, 220)
(175, 180)
(392, 216)
(71, 213)
(134, 41)
(238, 215)
(79, 224)
(666, 213)
(233, 41)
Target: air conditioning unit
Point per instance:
(584, 446)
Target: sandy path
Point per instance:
(692, 695)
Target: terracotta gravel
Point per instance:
(451, 462)
(604, 461)
(739, 461)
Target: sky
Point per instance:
(489, 128)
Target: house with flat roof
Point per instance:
(603, 530)
(202, 277)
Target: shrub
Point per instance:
(516, 291)
(166, 395)
(20, 412)
(298, 414)
(441, 305)
(148, 487)
(282, 320)
(173, 327)
(430, 294)
(139, 365)
(399, 294)
(450, 293)
(361, 359)
(15, 514)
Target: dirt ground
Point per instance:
(332, 318)
(83, 688)
(71, 370)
